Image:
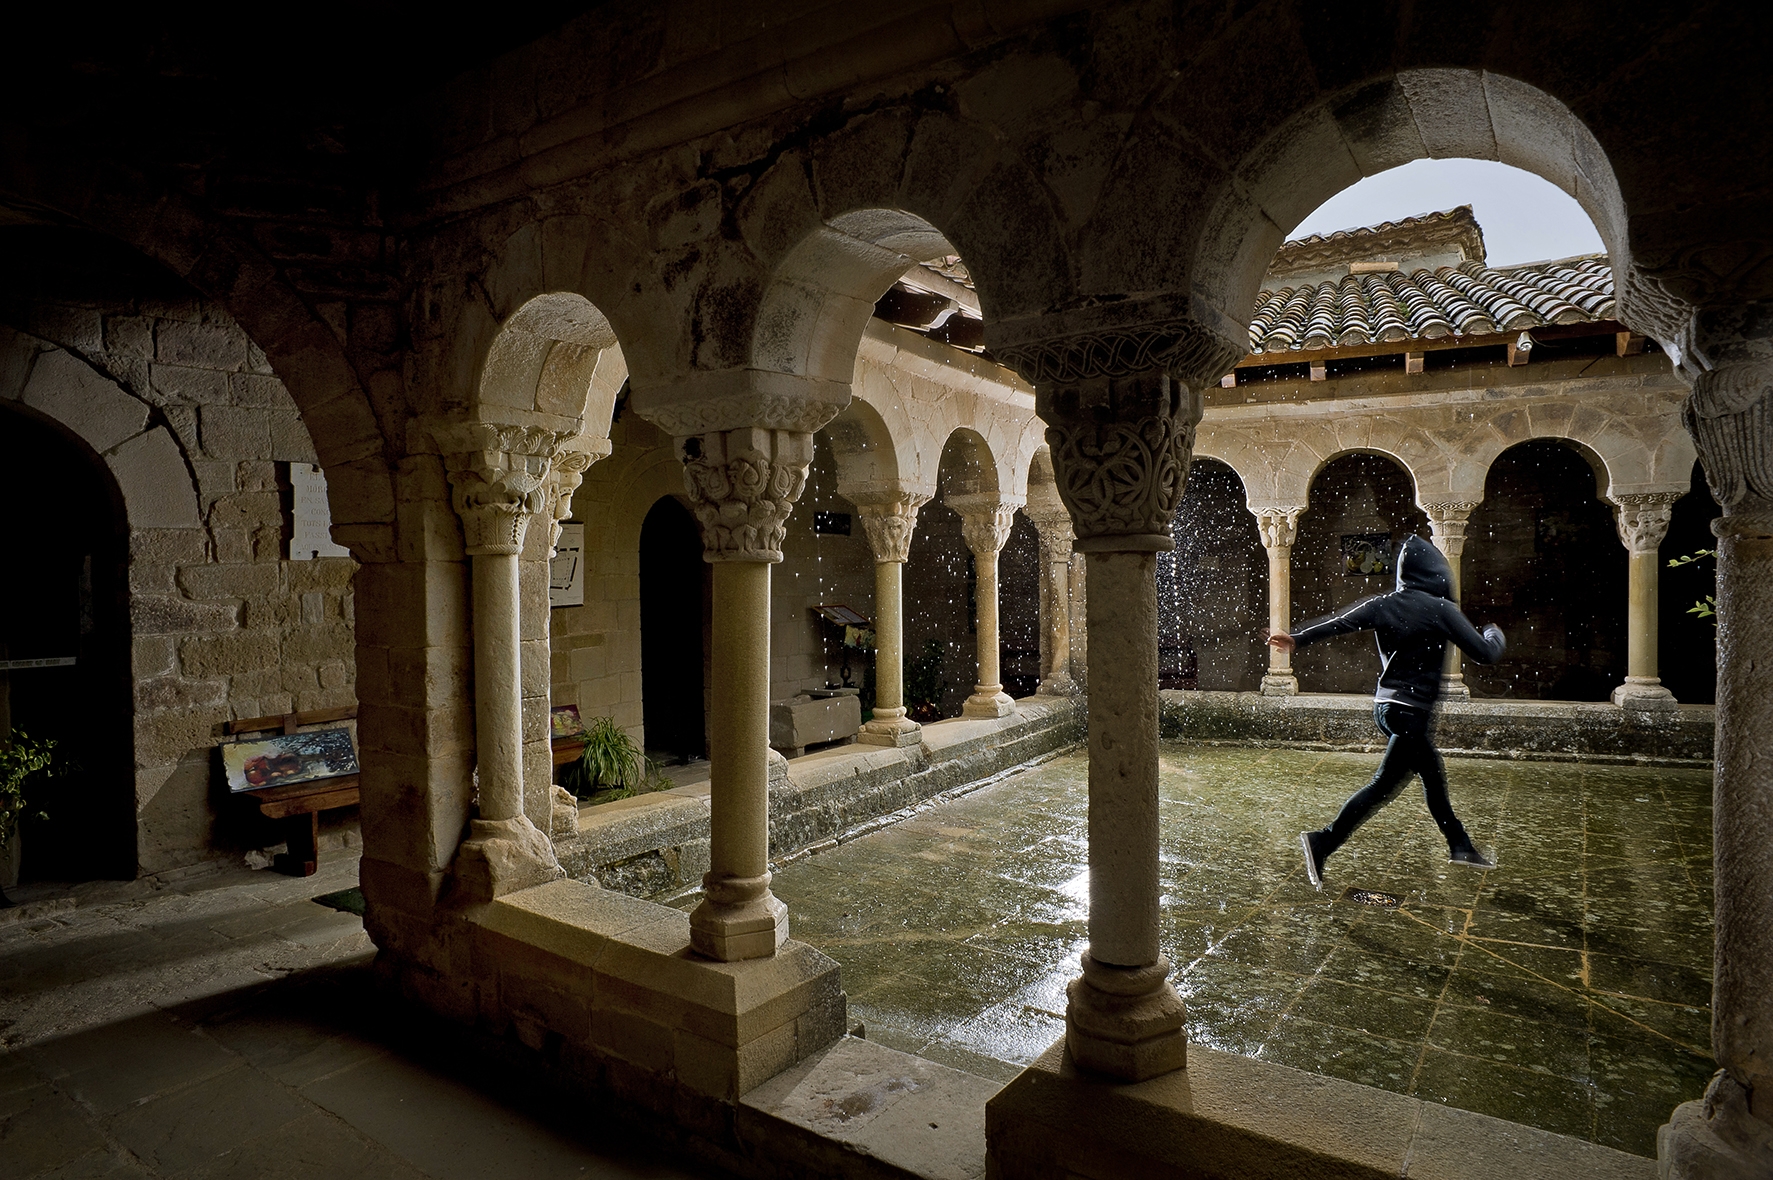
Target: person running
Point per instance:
(1413, 624)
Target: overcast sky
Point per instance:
(1524, 218)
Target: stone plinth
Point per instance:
(804, 721)
(1227, 1117)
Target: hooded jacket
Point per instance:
(1413, 623)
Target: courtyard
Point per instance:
(1567, 989)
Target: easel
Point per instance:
(298, 805)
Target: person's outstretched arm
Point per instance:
(1358, 617)
(1486, 648)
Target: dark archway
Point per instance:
(1212, 595)
(1360, 504)
(67, 597)
(1687, 655)
(1018, 609)
(1544, 562)
(674, 614)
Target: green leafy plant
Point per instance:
(612, 766)
(1707, 607)
(21, 757)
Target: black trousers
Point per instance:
(1410, 751)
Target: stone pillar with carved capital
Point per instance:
(985, 521)
(1279, 528)
(1056, 541)
(567, 474)
(742, 485)
(1121, 431)
(889, 521)
(1730, 415)
(1446, 522)
(499, 478)
(1643, 519)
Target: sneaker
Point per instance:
(1314, 863)
(1470, 856)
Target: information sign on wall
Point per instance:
(566, 579)
(311, 535)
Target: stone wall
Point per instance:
(186, 415)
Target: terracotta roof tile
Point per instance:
(1466, 300)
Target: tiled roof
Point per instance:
(1467, 300)
(1454, 231)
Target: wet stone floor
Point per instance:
(1568, 988)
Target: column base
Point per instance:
(1280, 684)
(988, 700)
(1644, 694)
(890, 728)
(1716, 1138)
(1060, 684)
(739, 918)
(503, 856)
(1126, 1022)
(1454, 688)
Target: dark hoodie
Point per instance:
(1413, 623)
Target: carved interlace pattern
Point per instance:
(1448, 520)
(1182, 348)
(890, 523)
(499, 479)
(1279, 527)
(1730, 416)
(1643, 519)
(743, 485)
(1122, 478)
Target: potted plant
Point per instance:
(924, 683)
(21, 756)
(612, 766)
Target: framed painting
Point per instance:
(288, 758)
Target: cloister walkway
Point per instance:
(1567, 989)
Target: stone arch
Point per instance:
(1627, 456)
(968, 467)
(1372, 127)
(865, 449)
(555, 357)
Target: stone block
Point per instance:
(165, 739)
(317, 645)
(725, 1072)
(212, 582)
(80, 398)
(152, 655)
(202, 345)
(167, 546)
(176, 385)
(157, 491)
(230, 432)
(805, 721)
(171, 692)
(129, 335)
(262, 392)
(221, 655)
(164, 615)
(290, 441)
(152, 579)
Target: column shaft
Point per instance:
(985, 571)
(1447, 521)
(1641, 632)
(889, 638)
(1123, 760)
(1278, 528)
(738, 730)
(889, 519)
(498, 715)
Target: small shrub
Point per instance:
(612, 766)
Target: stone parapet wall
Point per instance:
(1576, 731)
(657, 845)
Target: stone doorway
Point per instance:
(675, 616)
(65, 597)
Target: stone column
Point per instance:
(1279, 528)
(985, 522)
(1447, 521)
(1730, 414)
(1121, 441)
(1643, 521)
(1077, 571)
(889, 524)
(1056, 541)
(498, 478)
(742, 485)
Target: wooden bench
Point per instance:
(297, 806)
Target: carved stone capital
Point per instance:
(1730, 416)
(499, 480)
(742, 485)
(1054, 527)
(568, 473)
(1279, 526)
(1121, 448)
(986, 519)
(1182, 348)
(1447, 520)
(1643, 519)
(889, 523)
